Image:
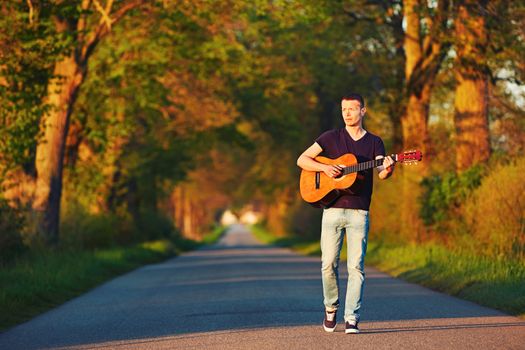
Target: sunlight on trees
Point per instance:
(154, 116)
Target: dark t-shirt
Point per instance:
(337, 142)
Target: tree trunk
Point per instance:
(112, 199)
(50, 151)
(184, 216)
(423, 56)
(133, 199)
(415, 136)
(414, 120)
(396, 106)
(326, 116)
(178, 209)
(471, 98)
(73, 141)
(397, 129)
(187, 219)
(278, 213)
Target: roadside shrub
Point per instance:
(154, 225)
(81, 229)
(495, 213)
(304, 220)
(444, 194)
(11, 225)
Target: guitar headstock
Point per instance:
(409, 157)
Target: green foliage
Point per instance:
(11, 225)
(215, 234)
(304, 221)
(443, 194)
(243, 85)
(495, 213)
(28, 54)
(154, 225)
(507, 47)
(264, 235)
(81, 230)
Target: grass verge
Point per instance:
(214, 235)
(39, 281)
(499, 284)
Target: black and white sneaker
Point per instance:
(330, 320)
(351, 327)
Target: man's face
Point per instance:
(352, 112)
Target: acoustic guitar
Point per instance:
(320, 190)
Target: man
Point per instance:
(349, 213)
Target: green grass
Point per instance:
(498, 284)
(38, 281)
(214, 235)
(296, 243)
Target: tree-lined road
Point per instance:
(240, 294)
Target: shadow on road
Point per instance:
(373, 330)
(230, 288)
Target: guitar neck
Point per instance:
(365, 165)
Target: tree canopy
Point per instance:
(190, 107)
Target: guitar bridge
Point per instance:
(317, 180)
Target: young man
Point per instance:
(349, 214)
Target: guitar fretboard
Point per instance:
(364, 166)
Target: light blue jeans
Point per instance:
(335, 224)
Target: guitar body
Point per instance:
(321, 190)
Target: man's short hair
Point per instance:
(354, 96)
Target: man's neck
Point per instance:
(356, 132)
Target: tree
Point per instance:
(86, 25)
(425, 48)
(28, 49)
(156, 96)
(472, 77)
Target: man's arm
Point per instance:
(387, 169)
(306, 161)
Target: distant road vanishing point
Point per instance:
(241, 294)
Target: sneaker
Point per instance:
(351, 327)
(330, 320)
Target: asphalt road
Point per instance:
(240, 294)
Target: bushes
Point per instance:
(304, 220)
(480, 211)
(495, 213)
(11, 226)
(82, 229)
(483, 209)
(153, 225)
(443, 195)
